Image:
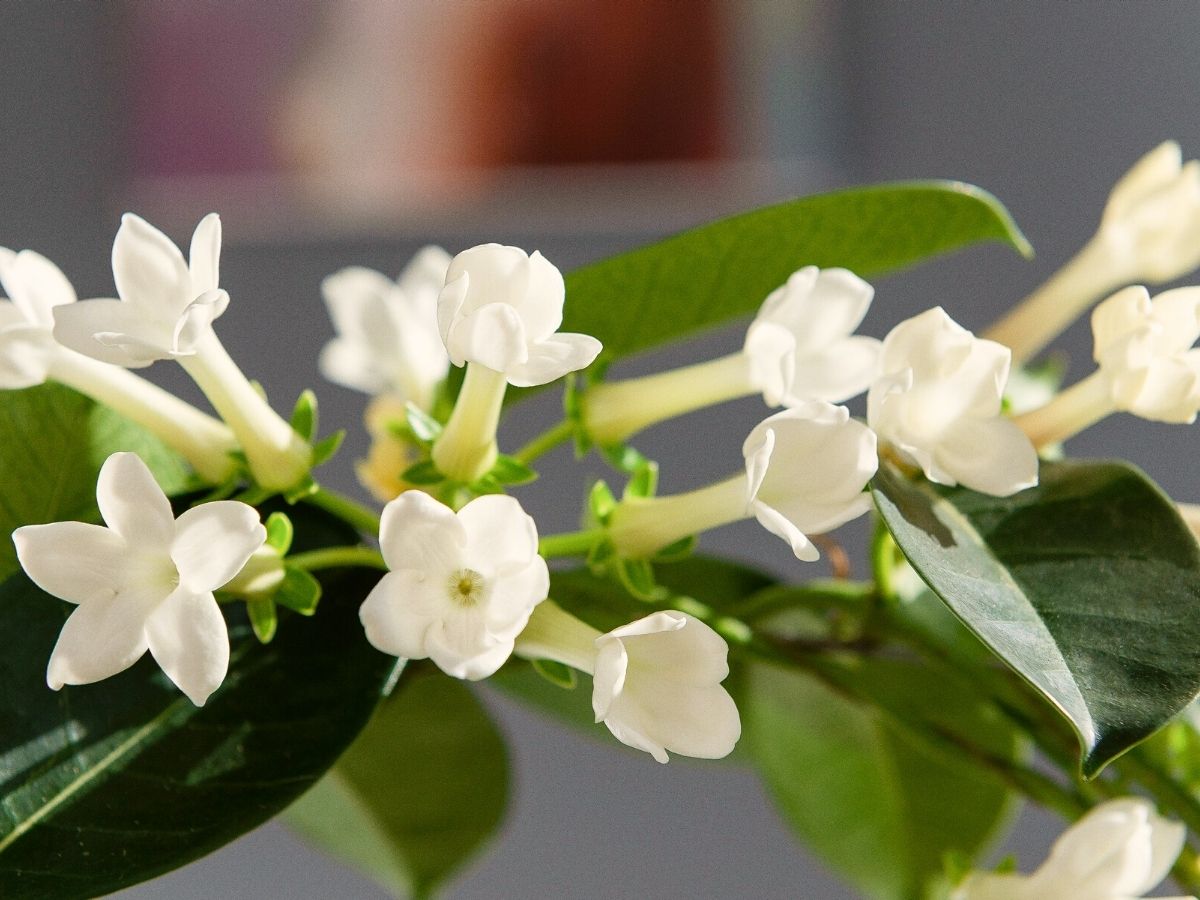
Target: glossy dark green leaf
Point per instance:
(419, 791)
(1087, 585)
(879, 806)
(725, 269)
(106, 785)
(55, 442)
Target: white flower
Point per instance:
(144, 582)
(460, 586)
(167, 305)
(657, 686)
(802, 346)
(806, 469)
(1118, 851)
(939, 401)
(1143, 348)
(388, 340)
(501, 308)
(34, 286)
(1151, 224)
(656, 682)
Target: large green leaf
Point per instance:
(725, 269)
(418, 792)
(56, 440)
(105, 785)
(1087, 585)
(880, 807)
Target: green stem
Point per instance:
(338, 557)
(350, 511)
(545, 442)
(573, 543)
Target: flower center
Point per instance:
(466, 587)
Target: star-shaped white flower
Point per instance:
(501, 308)
(1120, 850)
(939, 402)
(166, 304)
(1144, 350)
(801, 345)
(388, 340)
(144, 582)
(34, 286)
(806, 470)
(461, 586)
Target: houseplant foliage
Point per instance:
(209, 637)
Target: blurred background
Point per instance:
(338, 132)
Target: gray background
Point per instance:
(1042, 103)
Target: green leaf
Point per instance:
(879, 806)
(716, 272)
(423, 787)
(55, 442)
(304, 416)
(109, 784)
(556, 673)
(1087, 585)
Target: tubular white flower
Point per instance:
(461, 586)
(166, 310)
(806, 469)
(939, 402)
(29, 356)
(144, 582)
(656, 682)
(801, 346)
(1150, 232)
(388, 340)
(1120, 850)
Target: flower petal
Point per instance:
(492, 336)
(102, 637)
(1153, 171)
(701, 722)
(417, 532)
(691, 653)
(783, 527)
(196, 321)
(188, 638)
(149, 270)
(133, 505)
(343, 362)
(500, 535)
(78, 325)
(513, 597)
(553, 357)
(26, 354)
(844, 370)
(400, 610)
(36, 286)
(204, 256)
(458, 662)
(1116, 318)
(72, 560)
(353, 296)
(425, 273)
(213, 541)
(498, 274)
(992, 456)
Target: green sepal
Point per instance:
(637, 576)
(573, 412)
(423, 427)
(600, 556)
(424, 472)
(280, 532)
(624, 458)
(304, 415)
(299, 591)
(600, 503)
(644, 481)
(324, 449)
(263, 619)
(488, 484)
(510, 470)
(556, 673)
(681, 549)
(305, 487)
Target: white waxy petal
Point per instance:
(133, 505)
(36, 286)
(992, 456)
(354, 297)
(683, 648)
(513, 596)
(102, 637)
(500, 535)
(149, 270)
(26, 354)
(189, 640)
(1151, 173)
(492, 336)
(400, 610)
(113, 332)
(343, 362)
(416, 532)
(498, 274)
(196, 321)
(425, 272)
(1117, 317)
(204, 257)
(213, 541)
(783, 528)
(844, 370)
(473, 667)
(554, 357)
(1178, 312)
(541, 307)
(72, 560)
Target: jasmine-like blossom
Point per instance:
(499, 315)
(166, 309)
(460, 586)
(801, 346)
(939, 403)
(29, 356)
(389, 454)
(656, 682)
(1150, 233)
(388, 340)
(806, 469)
(145, 581)
(1146, 366)
(1120, 850)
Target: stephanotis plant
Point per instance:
(208, 636)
